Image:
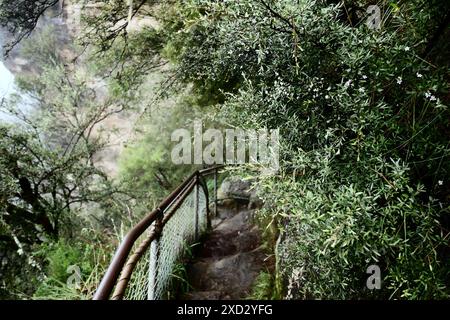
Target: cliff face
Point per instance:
(64, 18)
(66, 23)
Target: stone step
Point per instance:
(231, 256)
(221, 243)
(228, 207)
(233, 275)
(238, 222)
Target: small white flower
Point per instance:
(348, 83)
(364, 77)
(440, 182)
(407, 48)
(399, 80)
(327, 97)
(362, 90)
(419, 75)
(429, 96)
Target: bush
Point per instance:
(363, 118)
(332, 234)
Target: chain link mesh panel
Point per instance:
(138, 285)
(154, 271)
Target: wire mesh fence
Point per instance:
(138, 285)
(153, 273)
(150, 255)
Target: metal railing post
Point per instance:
(215, 193)
(154, 254)
(196, 206)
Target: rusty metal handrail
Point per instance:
(119, 264)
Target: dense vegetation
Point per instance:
(363, 115)
(365, 131)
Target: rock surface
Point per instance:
(231, 257)
(234, 187)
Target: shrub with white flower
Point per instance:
(361, 154)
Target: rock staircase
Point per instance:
(231, 255)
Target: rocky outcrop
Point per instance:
(235, 188)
